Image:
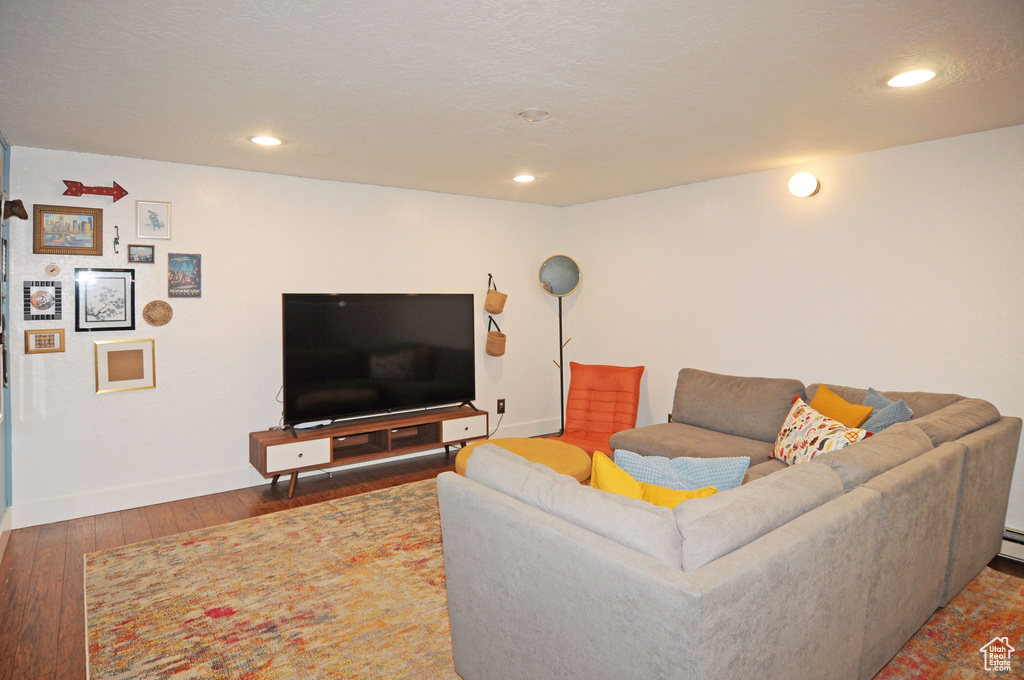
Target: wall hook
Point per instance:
(117, 238)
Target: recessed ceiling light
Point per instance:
(524, 178)
(533, 115)
(912, 78)
(265, 141)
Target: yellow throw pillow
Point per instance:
(828, 403)
(670, 498)
(607, 476)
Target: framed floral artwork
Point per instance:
(104, 299)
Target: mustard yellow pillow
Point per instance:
(607, 476)
(670, 498)
(829, 404)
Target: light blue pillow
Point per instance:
(684, 473)
(885, 411)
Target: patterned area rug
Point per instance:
(351, 588)
(949, 645)
(355, 588)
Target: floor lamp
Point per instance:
(560, 276)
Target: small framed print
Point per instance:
(123, 365)
(42, 300)
(61, 230)
(184, 275)
(154, 219)
(104, 299)
(141, 254)
(44, 341)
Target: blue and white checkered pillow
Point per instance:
(885, 411)
(684, 473)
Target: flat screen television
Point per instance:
(348, 355)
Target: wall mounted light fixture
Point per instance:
(804, 184)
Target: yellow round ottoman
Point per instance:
(559, 456)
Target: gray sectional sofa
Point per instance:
(819, 570)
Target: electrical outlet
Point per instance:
(501, 406)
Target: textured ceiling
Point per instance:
(643, 94)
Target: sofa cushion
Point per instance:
(885, 411)
(676, 439)
(958, 419)
(865, 460)
(753, 408)
(921, 403)
(684, 472)
(716, 526)
(807, 433)
(763, 469)
(828, 403)
(636, 524)
(609, 477)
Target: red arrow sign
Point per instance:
(77, 189)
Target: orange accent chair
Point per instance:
(602, 400)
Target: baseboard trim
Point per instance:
(49, 510)
(1013, 545)
(6, 526)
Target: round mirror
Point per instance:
(559, 275)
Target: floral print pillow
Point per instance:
(806, 433)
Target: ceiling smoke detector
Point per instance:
(533, 115)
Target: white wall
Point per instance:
(218, 363)
(905, 272)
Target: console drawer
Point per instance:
(460, 429)
(294, 455)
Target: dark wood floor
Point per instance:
(42, 618)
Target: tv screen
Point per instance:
(355, 354)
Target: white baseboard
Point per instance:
(50, 510)
(6, 525)
(1013, 545)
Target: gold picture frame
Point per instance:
(125, 365)
(64, 230)
(44, 341)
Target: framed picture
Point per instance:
(141, 254)
(153, 219)
(104, 299)
(60, 230)
(42, 300)
(123, 365)
(184, 275)
(44, 341)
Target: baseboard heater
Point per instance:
(1013, 545)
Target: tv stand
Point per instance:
(290, 451)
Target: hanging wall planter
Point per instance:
(495, 301)
(495, 339)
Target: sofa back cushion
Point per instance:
(716, 526)
(754, 408)
(875, 455)
(956, 420)
(921, 403)
(635, 524)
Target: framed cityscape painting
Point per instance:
(60, 230)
